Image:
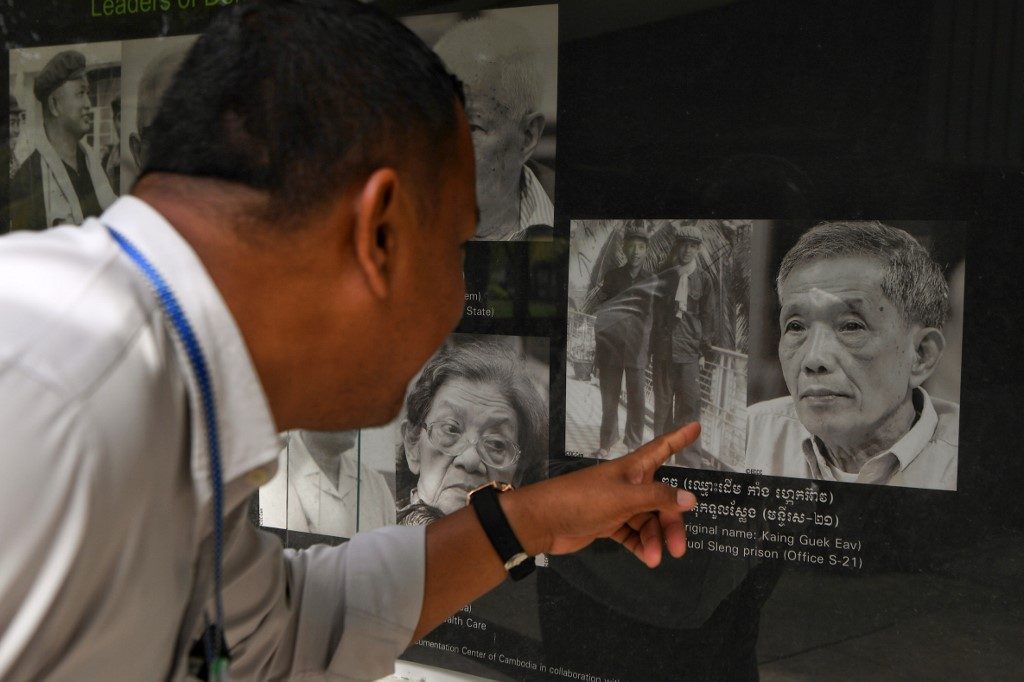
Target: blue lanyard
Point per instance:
(217, 655)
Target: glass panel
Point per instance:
(678, 271)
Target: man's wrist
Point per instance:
(528, 528)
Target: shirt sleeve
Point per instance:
(339, 613)
(51, 465)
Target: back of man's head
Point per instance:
(299, 98)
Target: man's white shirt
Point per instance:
(105, 518)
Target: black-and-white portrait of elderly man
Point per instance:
(862, 310)
(472, 416)
(496, 61)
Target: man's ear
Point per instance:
(929, 344)
(532, 128)
(412, 453)
(374, 234)
(51, 104)
(135, 144)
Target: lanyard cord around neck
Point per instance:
(217, 657)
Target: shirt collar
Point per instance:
(905, 450)
(306, 467)
(248, 435)
(535, 208)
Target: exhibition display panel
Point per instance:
(795, 222)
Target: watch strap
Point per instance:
(492, 517)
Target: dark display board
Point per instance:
(858, 479)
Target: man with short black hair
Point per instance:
(62, 179)
(289, 259)
(863, 306)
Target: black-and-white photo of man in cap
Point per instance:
(686, 322)
(863, 306)
(62, 180)
(622, 308)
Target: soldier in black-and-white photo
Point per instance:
(686, 320)
(62, 179)
(657, 336)
(622, 306)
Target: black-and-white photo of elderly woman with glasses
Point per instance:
(473, 416)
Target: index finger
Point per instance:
(653, 454)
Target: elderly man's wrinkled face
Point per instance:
(72, 107)
(498, 142)
(470, 429)
(635, 251)
(846, 352)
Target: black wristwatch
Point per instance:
(484, 500)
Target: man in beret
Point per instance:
(622, 303)
(62, 180)
(685, 324)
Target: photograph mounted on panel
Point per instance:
(507, 61)
(319, 485)
(149, 67)
(64, 137)
(657, 334)
(856, 351)
(478, 411)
